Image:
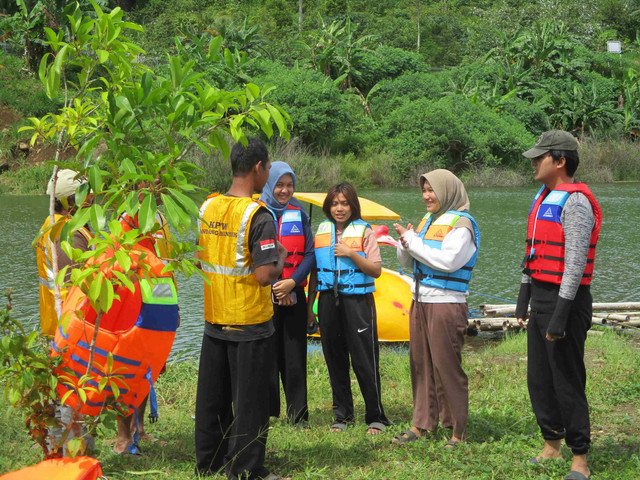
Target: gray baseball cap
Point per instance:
(552, 140)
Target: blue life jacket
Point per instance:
(340, 274)
(432, 234)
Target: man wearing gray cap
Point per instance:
(562, 233)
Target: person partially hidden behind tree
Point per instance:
(66, 184)
(562, 233)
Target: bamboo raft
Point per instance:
(623, 315)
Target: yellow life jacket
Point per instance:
(48, 315)
(234, 296)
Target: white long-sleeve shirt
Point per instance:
(458, 247)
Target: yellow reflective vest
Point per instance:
(48, 315)
(234, 296)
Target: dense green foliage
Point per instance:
(355, 81)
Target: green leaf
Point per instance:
(96, 287)
(42, 71)
(106, 296)
(124, 260)
(253, 91)
(97, 217)
(171, 210)
(186, 202)
(103, 55)
(147, 213)
(277, 118)
(95, 179)
(61, 56)
(125, 280)
(220, 143)
(80, 218)
(65, 396)
(81, 193)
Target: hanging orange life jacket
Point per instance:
(79, 468)
(138, 331)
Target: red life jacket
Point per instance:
(291, 235)
(545, 235)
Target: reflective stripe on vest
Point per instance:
(432, 234)
(340, 273)
(234, 296)
(544, 259)
(291, 235)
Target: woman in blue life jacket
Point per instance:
(347, 262)
(441, 251)
(290, 307)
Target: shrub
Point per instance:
(314, 103)
(387, 63)
(392, 94)
(453, 133)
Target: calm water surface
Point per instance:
(500, 214)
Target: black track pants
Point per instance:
(349, 329)
(232, 407)
(556, 374)
(290, 339)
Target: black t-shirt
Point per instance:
(263, 249)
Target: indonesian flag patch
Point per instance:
(267, 244)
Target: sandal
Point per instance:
(452, 444)
(338, 427)
(405, 437)
(381, 427)
(574, 475)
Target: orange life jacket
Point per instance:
(138, 331)
(79, 468)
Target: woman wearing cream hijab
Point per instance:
(441, 251)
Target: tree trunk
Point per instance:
(299, 15)
(418, 7)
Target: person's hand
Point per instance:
(521, 323)
(401, 231)
(283, 287)
(399, 228)
(343, 250)
(286, 301)
(552, 338)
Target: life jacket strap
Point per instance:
(153, 402)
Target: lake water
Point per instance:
(500, 213)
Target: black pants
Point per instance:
(290, 341)
(556, 374)
(232, 407)
(350, 329)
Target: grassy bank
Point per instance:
(502, 432)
